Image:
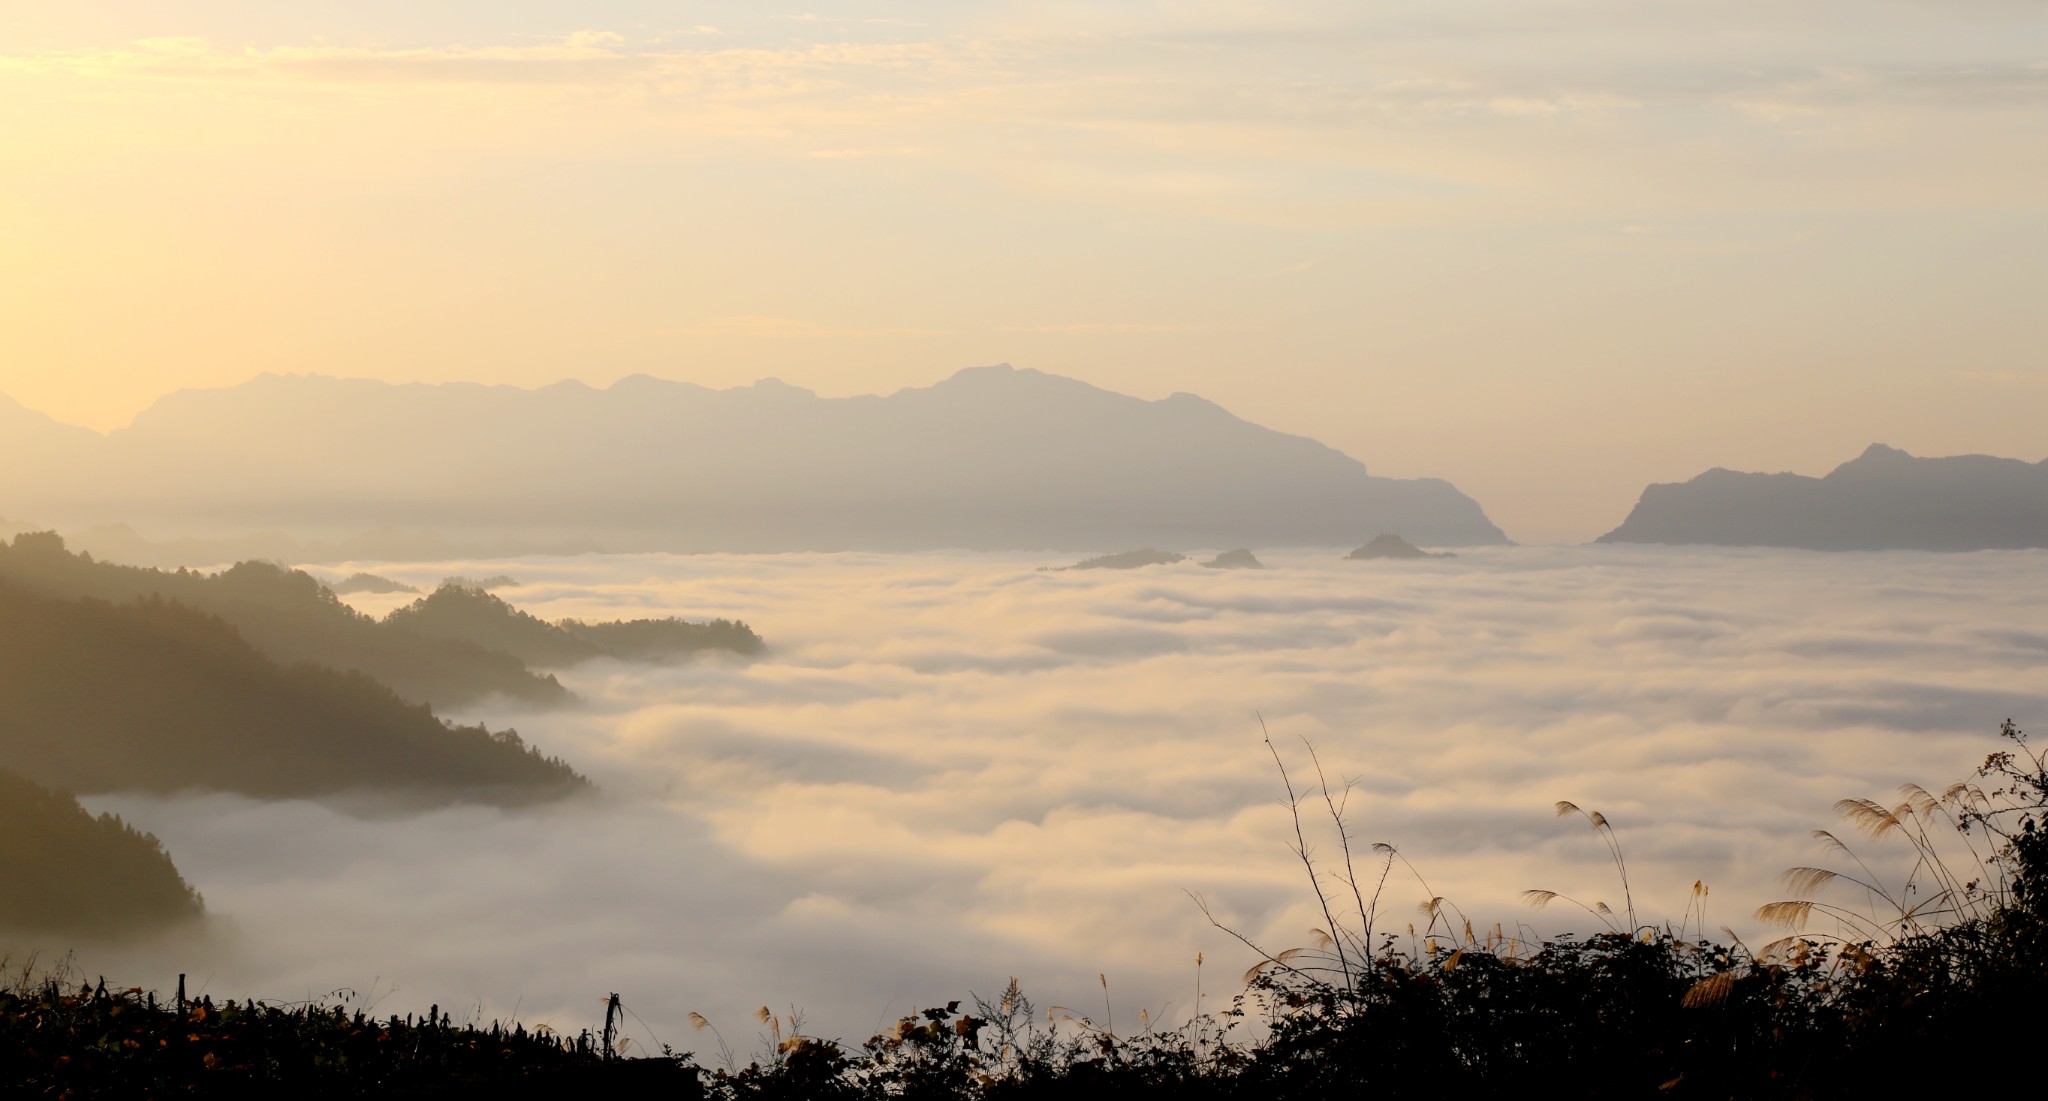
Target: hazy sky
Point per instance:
(1548, 250)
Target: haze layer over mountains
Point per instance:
(993, 457)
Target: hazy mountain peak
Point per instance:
(994, 457)
(991, 375)
(1884, 499)
(645, 386)
(1181, 400)
(21, 427)
(775, 387)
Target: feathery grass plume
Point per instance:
(1713, 990)
(1599, 824)
(1951, 877)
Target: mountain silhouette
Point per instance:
(1128, 560)
(1387, 545)
(1884, 499)
(290, 617)
(991, 458)
(369, 583)
(1239, 559)
(469, 613)
(154, 696)
(64, 870)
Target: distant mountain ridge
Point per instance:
(991, 458)
(1884, 499)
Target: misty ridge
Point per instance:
(1884, 499)
(456, 645)
(460, 612)
(1389, 545)
(991, 458)
(68, 870)
(256, 680)
(369, 583)
(155, 696)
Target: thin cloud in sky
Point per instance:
(1094, 327)
(787, 328)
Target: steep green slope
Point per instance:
(159, 697)
(290, 617)
(64, 870)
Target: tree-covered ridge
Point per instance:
(290, 617)
(64, 870)
(655, 639)
(459, 612)
(468, 613)
(155, 696)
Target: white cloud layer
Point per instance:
(952, 768)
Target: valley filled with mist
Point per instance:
(997, 550)
(945, 769)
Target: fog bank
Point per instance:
(950, 769)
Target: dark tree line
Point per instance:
(291, 617)
(64, 870)
(155, 696)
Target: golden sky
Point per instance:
(1548, 250)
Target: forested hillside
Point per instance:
(458, 612)
(61, 868)
(155, 696)
(290, 617)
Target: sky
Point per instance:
(949, 769)
(1551, 250)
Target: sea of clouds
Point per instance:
(950, 769)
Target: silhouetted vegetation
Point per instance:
(291, 617)
(467, 613)
(64, 870)
(1938, 995)
(1953, 972)
(63, 1040)
(155, 696)
(370, 583)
